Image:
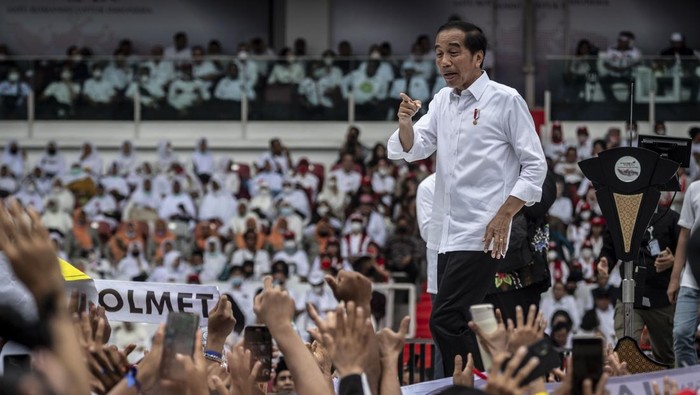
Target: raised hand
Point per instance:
(391, 343)
(670, 387)
(345, 346)
(195, 368)
(495, 342)
(220, 324)
(525, 332)
(273, 306)
(463, 377)
(613, 366)
(408, 107)
(506, 380)
(351, 286)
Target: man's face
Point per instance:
(558, 291)
(233, 71)
(250, 241)
(560, 337)
(157, 53)
(176, 188)
(456, 63)
(623, 43)
(276, 147)
(203, 145)
(284, 382)
(197, 55)
(602, 303)
(348, 163)
(180, 41)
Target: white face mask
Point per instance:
(552, 256)
(144, 79)
(322, 210)
(286, 211)
(287, 190)
(66, 75)
(586, 253)
(328, 61)
(14, 77)
(97, 73)
(290, 245)
(586, 215)
(356, 227)
(383, 171)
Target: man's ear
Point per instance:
(480, 58)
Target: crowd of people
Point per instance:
(198, 82)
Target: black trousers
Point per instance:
(464, 278)
(508, 301)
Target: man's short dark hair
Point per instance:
(474, 38)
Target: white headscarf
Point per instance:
(130, 266)
(145, 199)
(169, 206)
(52, 164)
(219, 205)
(126, 162)
(14, 161)
(166, 157)
(28, 195)
(93, 162)
(214, 262)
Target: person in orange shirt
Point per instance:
(160, 234)
(119, 243)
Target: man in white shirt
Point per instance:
(316, 91)
(423, 65)
(559, 300)
(187, 92)
(278, 156)
(618, 63)
(203, 163)
(251, 253)
(97, 90)
(370, 90)
(488, 167)
(412, 84)
(60, 95)
(179, 51)
(162, 71)
(202, 69)
(383, 182)
(118, 73)
(150, 89)
(683, 288)
(233, 86)
(347, 178)
(55, 219)
(605, 313)
(13, 94)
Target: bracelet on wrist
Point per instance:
(213, 356)
(131, 380)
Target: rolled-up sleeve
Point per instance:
(521, 133)
(424, 139)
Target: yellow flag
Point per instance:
(70, 273)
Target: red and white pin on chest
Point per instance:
(476, 116)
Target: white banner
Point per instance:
(637, 384)
(133, 301)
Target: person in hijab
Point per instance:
(166, 156)
(119, 243)
(52, 162)
(127, 158)
(214, 261)
(203, 162)
(80, 183)
(306, 179)
(266, 176)
(90, 159)
(29, 196)
(160, 237)
(133, 266)
(13, 157)
(101, 206)
(83, 237)
(333, 196)
(56, 220)
(296, 197)
(177, 205)
(143, 204)
(294, 256)
(252, 252)
(217, 204)
(43, 184)
(236, 224)
(114, 183)
(262, 202)
(295, 223)
(63, 197)
(138, 174)
(176, 271)
(8, 183)
(229, 176)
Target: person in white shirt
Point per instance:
(13, 158)
(52, 162)
(165, 156)
(55, 219)
(97, 90)
(203, 163)
(8, 183)
(618, 63)
(320, 296)
(556, 148)
(383, 183)
(488, 168)
(333, 196)
(370, 89)
(237, 223)
(133, 264)
(251, 253)
(13, 94)
(187, 92)
(217, 204)
(278, 156)
(115, 184)
(127, 158)
(295, 257)
(28, 195)
(414, 85)
(179, 51)
(272, 179)
(248, 70)
(150, 90)
(203, 69)
(568, 168)
(233, 86)
(161, 71)
(559, 300)
(562, 208)
(243, 294)
(330, 70)
(384, 68)
(306, 179)
(262, 201)
(90, 160)
(294, 222)
(424, 208)
(214, 261)
(63, 197)
(606, 314)
(319, 92)
(354, 244)
(584, 145)
(61, 95)
(101, 205)
(348, 179)
(177, 205)
(423, 65)
(287, 70)
(118, 73)
(143, 198)
(297, 198)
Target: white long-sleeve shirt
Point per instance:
(424, 209)
(478, 166)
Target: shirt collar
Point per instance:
(477, 88)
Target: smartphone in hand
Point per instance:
(180, 331)
(588, 359)
(548, 356)
(258, 340)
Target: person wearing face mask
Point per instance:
(52, 162)
(214, 261)
(251, 251)
(587, 263)
(187, 91)
(354, 244)
(333, 196)
(150, 89)
(28, 195)
(8, 183)
(13, 158)
(305, 178)
(383, 183)
(287, 70)
(331, 71)
(242, 293)
(59, 97)
(321, 297)
(558, 268)
(404, 252)
(424, 66)
(133, 266)
(63, 197)
(556, 148)
(559, 300)
(231, 88)
(56, 220)
(295, 257)
(13, 95)
(584, 145)
(267, 176)
(577, 287)
(98, 92)
(296, 197)
(578, 230)
(654, 268)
